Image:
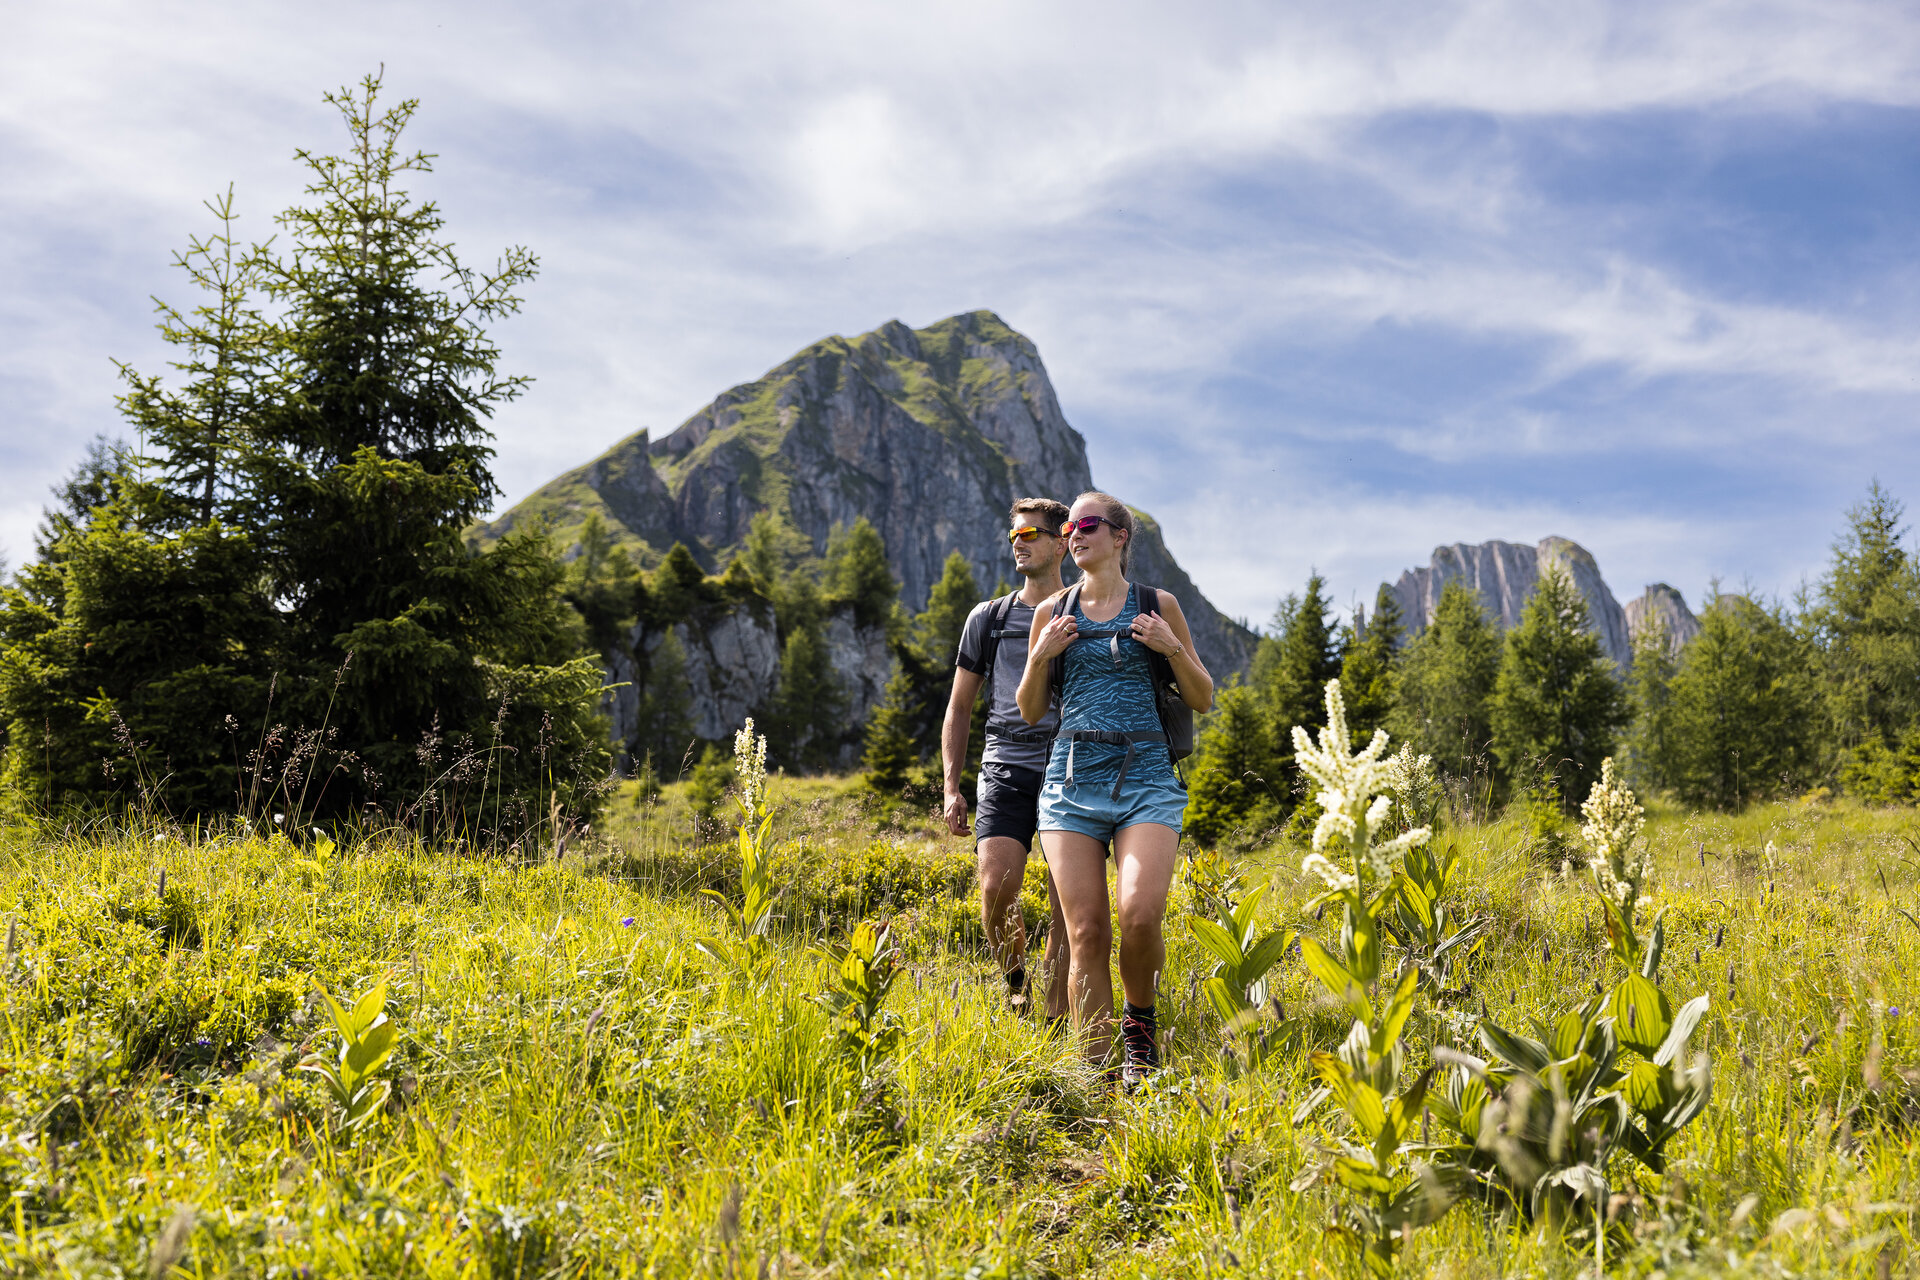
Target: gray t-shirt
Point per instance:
(1009, 663)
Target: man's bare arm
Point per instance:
(954, 731)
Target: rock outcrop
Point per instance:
(928, 433)
(1503, 575)
(1662, 605)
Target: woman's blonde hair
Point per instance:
(1117, 515)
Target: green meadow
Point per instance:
(574, 1088)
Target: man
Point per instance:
(993, 651)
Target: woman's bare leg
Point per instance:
(1144, 857)
(1078, 865)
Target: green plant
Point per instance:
(1237, 988)
(867, 966)
(1438, 941)
(352, 1079)
(748, 954)
(1387, 1193)
(1387, 1197)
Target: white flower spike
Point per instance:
(1354, 800)
(1614, 820)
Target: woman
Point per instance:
(1109, 777)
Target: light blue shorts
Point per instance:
(1086, 805)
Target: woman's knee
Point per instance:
(1089, 937)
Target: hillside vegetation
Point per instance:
(574, 1088)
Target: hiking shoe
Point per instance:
(1140, 1042)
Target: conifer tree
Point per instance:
(1556, 701)
(1369, 673)
(1866, 620)
(1294, 661)
(1741, 707)
(857, 574)
(1234, 787)
(1447, 675)
(295, 523)
(1650, 745)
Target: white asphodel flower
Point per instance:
(1411, 778)
(1353, 800)
(750, 763)
(1614, 821)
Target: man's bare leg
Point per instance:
(1001, 865)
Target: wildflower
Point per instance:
(750, 762)
(1613, 825)
(1352, 787)
(1410, 779)
(279, 818)
(626, 922)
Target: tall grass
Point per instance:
(577, 1091)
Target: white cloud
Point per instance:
(712, 186)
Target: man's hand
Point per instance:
(955, 812)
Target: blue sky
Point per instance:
(1323, 285)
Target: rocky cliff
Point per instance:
(1663, 605)
(928, 433)
(1503, 575)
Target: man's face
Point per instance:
(1036, 553)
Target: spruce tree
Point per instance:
(285, 557)
(858, 576)
(1369, 674)
(904, 730)
(1650, 744)
(1557, 704)
(1293, 663)
(1447, 674)
(1866, 620)
(1741, 705)
(1234, 787)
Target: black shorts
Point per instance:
(1007, 803)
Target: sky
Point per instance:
(1323, 285)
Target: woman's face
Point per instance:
(1097, 546)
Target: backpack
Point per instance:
(1176, 717)
(997, 614)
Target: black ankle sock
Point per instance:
(1145, 1016)
(1017, 981)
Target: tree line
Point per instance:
(1770, 698)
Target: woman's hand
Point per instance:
(1055, 638)
(1151, 630)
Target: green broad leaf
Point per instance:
(1360, 943)
(369, 1053)
(1357, 1098)
(1696, 1089)
(1334, 976)
(1626, 947)
(366, 1106)
(1684, 1023)
(1223, 946)
(1225, 999)
(369, 1008)
(1524, 1052)
(1417, 902)
(1312, 1103)
(1569, 1034)
(1656, 947)
(1359, 1175)
(1641, 1014)
(1399, 1009)
(342, 1020)
(1645, 1088)
(1243, 915)
(1265, 954)
(323, 845)
(1459, 938)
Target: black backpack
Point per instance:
(1176, 717)
(997, 614)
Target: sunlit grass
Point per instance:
(578, 1095)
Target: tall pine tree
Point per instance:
(1557, 703)
(1447, 675)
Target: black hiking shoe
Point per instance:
(1140, 1041)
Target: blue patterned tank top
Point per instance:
(1108, 685)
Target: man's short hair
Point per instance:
(1052, 514)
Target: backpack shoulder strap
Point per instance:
(1057, 669)
(997, 614)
